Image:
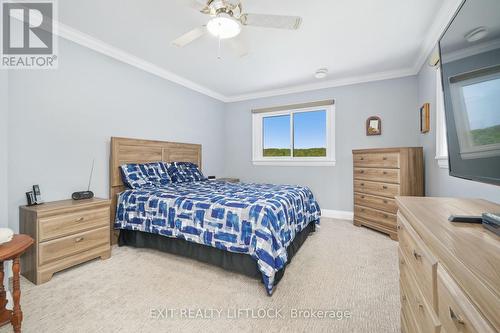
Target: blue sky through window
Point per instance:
(277, 132)
(309, 129)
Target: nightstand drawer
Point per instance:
(63, 247)
(64, 225)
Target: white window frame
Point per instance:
(441, 139)
(257, 139)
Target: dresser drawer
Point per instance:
(378, 175)
(455, 311)
(67, 224)
(421, 263)
(375, 215)
(376, 160)
(383, 189)
(63, 247)
(405, 311)
(407, 316)
(381, 203)
(425, 317)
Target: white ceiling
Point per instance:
(353, 39)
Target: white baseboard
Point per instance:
(337, 214)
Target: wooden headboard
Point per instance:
(124, 150)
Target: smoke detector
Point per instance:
(321, 73)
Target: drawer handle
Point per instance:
(386, 216)
(79, 239)
(417, 255)
(456, 318)
(399, 227)
(385, 172)
(362, 209)
(361, 158)
(384, 158)
(361, 171)
(362, 184)
(384, 187)
(362, 197)
(80, 219)
(385, 201)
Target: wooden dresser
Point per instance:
(379, 176)
(66, 233)
(449, 272)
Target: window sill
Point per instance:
(442, 161)
(293, 163)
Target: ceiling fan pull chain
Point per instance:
(219, 50)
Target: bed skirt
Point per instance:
(235, 262)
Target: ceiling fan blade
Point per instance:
(272, 21)
(239, 46)
(199, 5)
(189, 37)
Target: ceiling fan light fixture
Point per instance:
(224, 26)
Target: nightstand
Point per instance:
(66, 233)
(229, 180)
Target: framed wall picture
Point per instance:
(373, 126)
(425, 118)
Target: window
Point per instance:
(294, 135)
(441, 141)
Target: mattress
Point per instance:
(260, 220)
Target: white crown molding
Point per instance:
(437, 28)
(97, 45)
(442, 19)
(337, 214)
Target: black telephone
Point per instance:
(38, 194)
(34, 197)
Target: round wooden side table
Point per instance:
(12, 251)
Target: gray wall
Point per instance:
(3, 146)
(64, 118)
(438, 182)
(395, 101)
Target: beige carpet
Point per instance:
(341, 267)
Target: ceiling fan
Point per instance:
(227, 19)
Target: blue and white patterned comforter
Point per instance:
(260, 220)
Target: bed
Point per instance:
(253, 229)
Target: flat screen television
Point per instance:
(470, 68)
